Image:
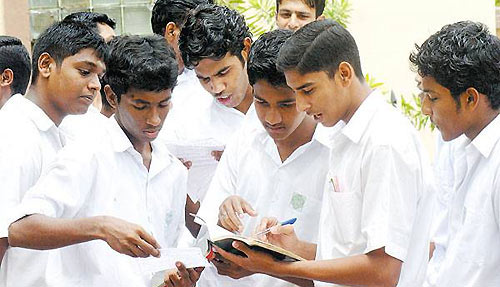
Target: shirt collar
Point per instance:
(485, 141)
(34, 112)
(359, 122)
(119, 139)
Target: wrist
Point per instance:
(98, 227)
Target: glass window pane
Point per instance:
(136, 20)
(43, 3)
(104, 2)
(66, 11)
(40, 20)
(114, 13)
(136, 1)
(75, 3)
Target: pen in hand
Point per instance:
(267, 230)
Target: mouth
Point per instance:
(275, 129)
(88, 98)
(151, 134)
(225, 99)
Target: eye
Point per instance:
(223, 72)
(260, 102)
(431, 98)
(285, 15)
(140, 108)
(287, 105)
(165, 104)
(84, 72)
(307, 92)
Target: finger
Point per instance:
(181, 270)
(224, 217)
(127, 251)
(282, 230)
(236, 259)
(195, 273)
(168, 281)
(247, 208)
(138, 252)
(149, 244)
(188, 164)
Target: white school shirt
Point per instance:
(29, 143)
(444, 175)
(108, 177)
(472, 256)
(377, 194)
(212, 121)
(252, 168)
(88, 125)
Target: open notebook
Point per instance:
(220, 237)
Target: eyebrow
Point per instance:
(304, 86)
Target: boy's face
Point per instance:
(226, 79)
(441, 107)
(275, 107)
(141, 113)
(73, 84)
(320, 96)
(293, 14)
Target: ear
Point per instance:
(247, 43)
(470, 99)
(7, 78)
(320, 17)
(171, 32)
(111, 96)
(345, 73)
(46, 65)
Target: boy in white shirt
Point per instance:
(459, 68)
(15, 68)
(68, 60)
(375, 222)
(262, 169)
(123, 190)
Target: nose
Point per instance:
(425, 105)
(217, 86)
(293, 23)
(95, 83)
(153, 118)
(301, 104)
(273, 117)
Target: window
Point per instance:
(132, 16)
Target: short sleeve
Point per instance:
(391, 185)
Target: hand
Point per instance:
(186, 163)
(256, 262)
(228, 268)
(182, 277)
(217, 154)
(4, 244)
(231, 210)
(282, 236)
(128, 238)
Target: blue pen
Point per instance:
(287, 222)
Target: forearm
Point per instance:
(373, 269)
(41, 232)
(297, 281)
(4, 243)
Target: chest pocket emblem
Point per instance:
(297, 202)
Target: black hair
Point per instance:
(212, 31)
(460, 56)
(145, 63)
(318, 5)
(320, 46)
(262, 59)
(165, 11)
(91, 19)
(64, 39)
(14, 56)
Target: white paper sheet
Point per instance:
(190, 257)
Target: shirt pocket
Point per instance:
(472, 248)
(346, 213)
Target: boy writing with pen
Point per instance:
(262, 169)
(375, 218)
